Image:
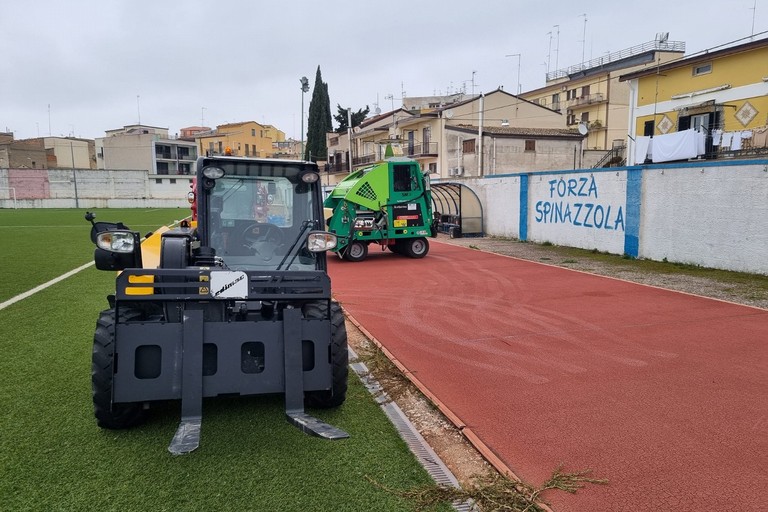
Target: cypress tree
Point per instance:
(319, 121)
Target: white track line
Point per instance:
(43, 286)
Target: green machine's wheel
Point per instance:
(356, 251)
(416, 247)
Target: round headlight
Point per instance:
(191, 197)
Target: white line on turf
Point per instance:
(43, 286)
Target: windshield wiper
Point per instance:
(304, 225)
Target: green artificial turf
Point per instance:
(54, 457)
(46, 243)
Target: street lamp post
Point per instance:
(304, 88)
(349, 135)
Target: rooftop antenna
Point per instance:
(557, 48)
(138, 107)
(202, 117)
(754, 10)
(583, 39)
(519, 58)
(549, 51)
(391, 97)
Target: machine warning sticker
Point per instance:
(229, 285)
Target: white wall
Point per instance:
(715, 217)
(585, 210)
(500, 200)
(713, 214)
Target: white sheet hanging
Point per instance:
(642, 147)
(675, 146)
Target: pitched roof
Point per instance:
(512, 131)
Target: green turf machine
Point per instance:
(388, 203)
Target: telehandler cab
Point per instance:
(236, 302)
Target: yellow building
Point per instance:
(248, 138)
(721, 93)
(590, 94)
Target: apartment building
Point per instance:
(427, 130)
(720, 94)
(591, 96)
(247, 138)
(47, 153)
(143, 147)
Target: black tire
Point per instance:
(335, 396)
(356, 251)
(109, 415)
(454, 232)
(416, 247)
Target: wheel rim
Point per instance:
(418, 246)
(355, 250)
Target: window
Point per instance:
(585, 117)
(468, 146)
(702, 69)
(530, 145)
(648, 128)
(585, 91)
(402, 181)
(253, 132)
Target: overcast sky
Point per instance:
(83, 67)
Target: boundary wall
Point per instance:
(713, 214)
(86, 188)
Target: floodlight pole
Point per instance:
(304, 88)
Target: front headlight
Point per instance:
(319, 241)
(116, 241)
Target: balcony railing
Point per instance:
(420, 150)
(657, 45)
(589, 99)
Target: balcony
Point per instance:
(584, 101)
(428, 149)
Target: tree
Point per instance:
(357, 117)
(319, 121)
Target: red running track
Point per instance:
(664, 394)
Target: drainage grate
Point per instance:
(426, 456)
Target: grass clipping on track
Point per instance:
(499, 493)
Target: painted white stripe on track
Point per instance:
(43, 286)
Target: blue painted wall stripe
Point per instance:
(632, 214)
(523, 207)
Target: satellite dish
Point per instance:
(448, 114)
(583, 128)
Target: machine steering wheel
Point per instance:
(262, 238)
